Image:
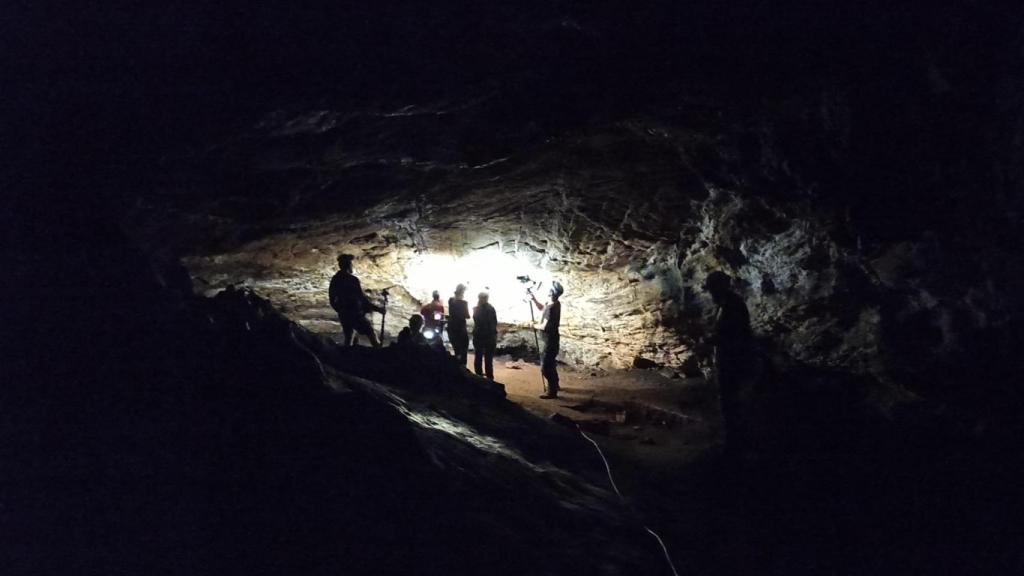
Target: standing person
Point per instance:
(458, 313)
(433, 317)
(550, 322)
(734, 353)
(485, 336)
(351, 304)
(433, 312)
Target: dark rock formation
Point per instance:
(855, 167)
(858, 178)
(151, 430)
(631, 217)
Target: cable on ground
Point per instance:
(608, 469)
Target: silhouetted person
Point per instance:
(433, 312)
(734, 355)
(550, 320)
(412, 335)
(458, 313)
(351, 304)
(433, 319)
(485, 336)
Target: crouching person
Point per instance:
(412, 335)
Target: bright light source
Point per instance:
(428, 334)
(489, 270)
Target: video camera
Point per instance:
(533, 284)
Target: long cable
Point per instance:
(608, 469)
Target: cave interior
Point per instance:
(181, 179)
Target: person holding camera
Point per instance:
(348, 300)
(550, 322)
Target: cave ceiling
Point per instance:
(848, 217)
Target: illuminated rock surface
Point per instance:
(216, 436)
(864, 198)
(630, 217)
(857, 169)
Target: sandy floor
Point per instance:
(638, 414)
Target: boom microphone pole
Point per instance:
(533, 322)
(533, 319)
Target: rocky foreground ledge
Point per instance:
(165, 433)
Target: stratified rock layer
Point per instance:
(630, 217)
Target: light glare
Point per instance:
(489, 270)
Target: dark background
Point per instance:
(906, 118)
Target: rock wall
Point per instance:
(860, 183)
(618, 214)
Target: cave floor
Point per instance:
(783, 512)
(639, 416)
(780, 508)
(774, 510)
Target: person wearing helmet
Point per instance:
(458, 313)
(550, 322)
(733, 356)
(485, 336)
(348, 300)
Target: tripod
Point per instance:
(383, 314)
